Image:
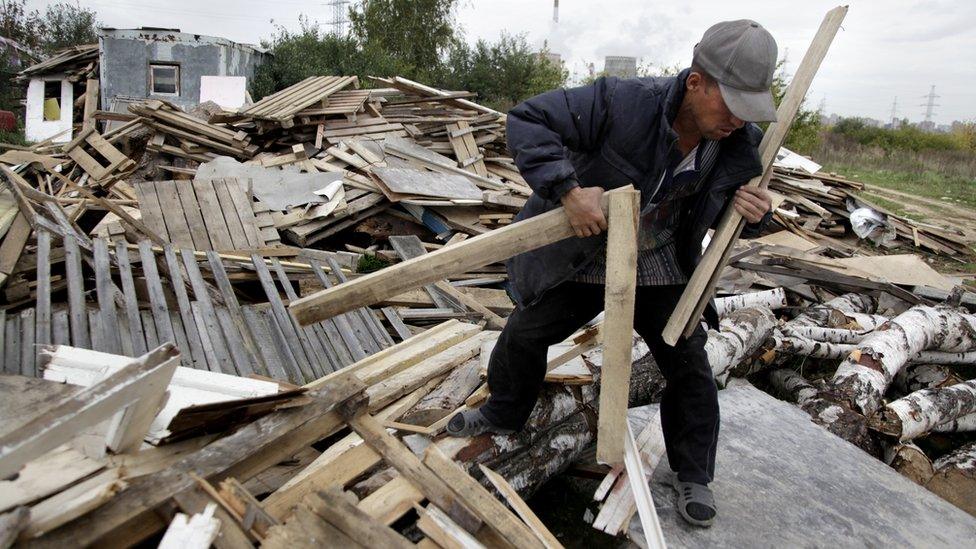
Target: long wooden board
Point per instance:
(474, 252)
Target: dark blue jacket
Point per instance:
(609, 134)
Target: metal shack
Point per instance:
(180, 67)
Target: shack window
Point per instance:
(164, 79)
(52, 100)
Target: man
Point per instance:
(685, 143)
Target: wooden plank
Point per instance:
(227, 346)
(259, 444)
(191, 210)
(317, 334)
(234, 309)
(333, 505)
(197, 352)
(409, 247)
(522, 508)
(642, 492)
(13, 244)
(106, 291)
(173, 215)
(60, 334)
(84, 409)
(272, 346)
(28, 353)
(377, 333)
(301, 372)
(76, 294)
(618, 326)
(11, 350)
(213, 216)
(91, 104)
(342, 322)
(242, 204)
(133, 318)
(403, 460)
(43, 322)
(476, 498)
(398, 326)
(474, 252)
(441, 531)
(391, 501)
(149, 207)
(231, 218)
(157, 299)
(698, 291)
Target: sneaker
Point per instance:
(471, 423)
(695, 503)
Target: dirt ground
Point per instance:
(937, 212)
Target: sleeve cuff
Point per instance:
(560, 189)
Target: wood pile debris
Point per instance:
(156, 276)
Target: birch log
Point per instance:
(864, 376)
(955, 478)
(740, 334)
(922, 411)
(770, 299)
(947, 358)
(910, 461)
(836, 312)
(447, 396)
(792, 385)
(916, 377)
(964, 424)
(826, 335)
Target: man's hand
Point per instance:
(752, 203)
(582, 205)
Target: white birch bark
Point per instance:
(964, 358)
(916, 377)
(740, 334)
(792, 385)
(964, 424)
(866, 373)
(770, 299)
(827, 335)
(815, 349)
(837, 311)
(920, 412)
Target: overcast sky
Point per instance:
(887, 48)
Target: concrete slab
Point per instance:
(782, 481)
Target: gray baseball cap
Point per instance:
(741, 56)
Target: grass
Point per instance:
(928, 183)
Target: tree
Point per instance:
(20, 25)
(418, 33)
(804, 135)
(68, 25)
(503, 73)
(313, 52)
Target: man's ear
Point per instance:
(694, 81)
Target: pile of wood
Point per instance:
(225, 257)
(818, 206)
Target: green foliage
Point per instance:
(905, 137)
(68, 25)
(369, 263)
(804, 134)
(418, 33)
(313, 52)
(503, 73)
(62, 25)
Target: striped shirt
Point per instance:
(657, 258)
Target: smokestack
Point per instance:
(555, 11)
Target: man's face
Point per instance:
(713, 118)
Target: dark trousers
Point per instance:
(689, 406)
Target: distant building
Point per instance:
(131, 65)
(926, 126)
(620, 66)
(169, 64)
